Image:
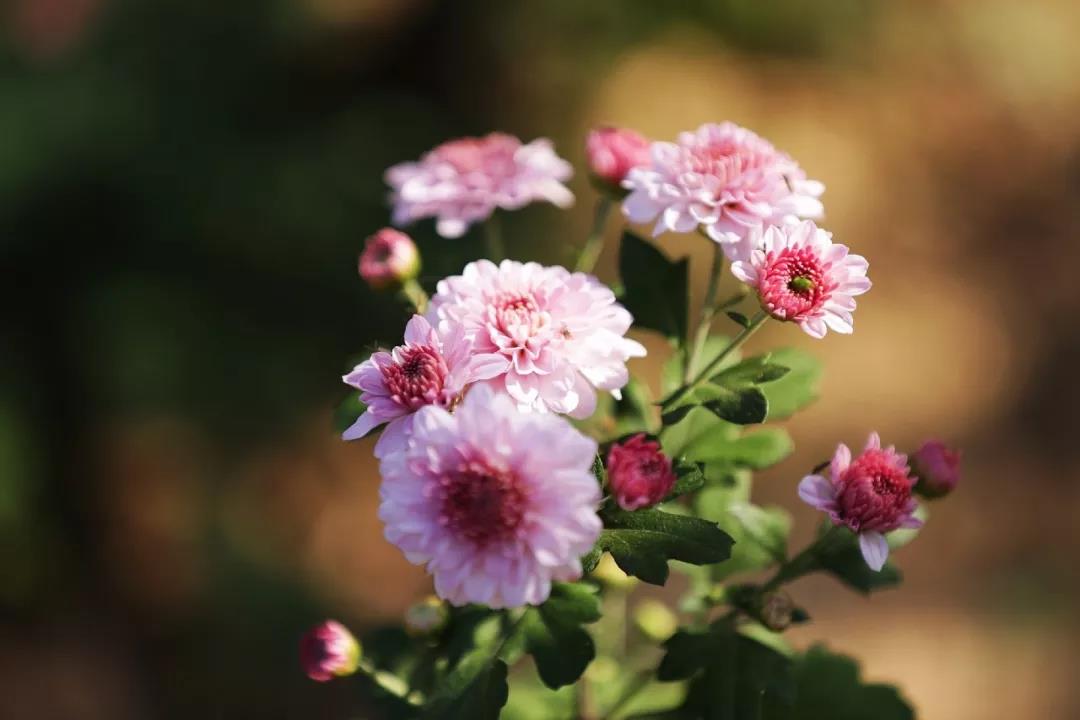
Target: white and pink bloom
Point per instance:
(561, 333)
(431, 368)
(639, 474)
(801, 275)
(328, 651)
(614, 152)
(463, 181)
(389, 258)
(725, 179)
(871, 495)
(495, 502)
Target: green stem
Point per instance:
(594, 244)
(804, 563)
(708, 311)
(493, 239)
(755, 322)
(639, 682)
(414, 295)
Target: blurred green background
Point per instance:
(185, 186)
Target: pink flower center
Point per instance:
(418, 379)
(518, 316)
(492, 155)
(481, 504)
(735, 165)
(875, 492)
(794, 283)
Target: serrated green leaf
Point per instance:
(752, 371)
(643, 541)
(739, 405)
(690, 477)
(554, 637)
(655, 288)
(799, 386)
(475, 687)
(843, 559)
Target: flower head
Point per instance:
(431, 368)
(329, 650)
(722, 177)
(871, 495)
(801, 276)
(483, 501)
(638, 473)
(938, 468)
(463, 181)
(613, 152)
(561, 333)
(390, 257)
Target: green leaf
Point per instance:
(635, 412)
(554, 637)
(739, 405)
(476, 685)
(756, 450)
(655, 288)
(690, 477)
(696, 436)
(738, 318)
(752, 371)
(643, 541)
(671, 376)
(828, 686)
(842, 559)
(797, 388)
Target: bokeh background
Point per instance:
(185, 186)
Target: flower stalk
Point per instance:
(594, 244)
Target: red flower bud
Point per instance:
(613, 152)
(329, 650)
(638, 473)
(938, 469)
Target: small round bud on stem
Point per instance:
(937, 467)
(329, 650)
(389, 259)
(776, 611)
(426, 617)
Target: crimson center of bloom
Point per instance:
(875, 492)
(418, 378)
(481, 504)
(794, 283)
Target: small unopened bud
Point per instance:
(389, 259)
(612, 575)
(613, 152)
(329, 650)
(426, 617)
(638, 473)
(777, 610)
(655, 620)
(937, 467)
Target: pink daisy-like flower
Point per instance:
(801, 276)
(463, 181)
(495, 502)
(871, 495)
(560, 332)
(431, 368)
(722, 177)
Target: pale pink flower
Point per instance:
(390, 257)
(561, 332)
(431, 368)
(801, 276)
(871, 495)
(495, 502)
(463, 181)
(638, 473)
(329, 650)
(725, 179)
(938, 468)
(613, 152)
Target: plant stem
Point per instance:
(755, 322)
(414, 295)
(805, 562)
(594, 244)
(639, 682)
(708, 310)
(493, 239)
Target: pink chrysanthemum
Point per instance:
(389, 257)
(639, 474)
(722, 177)
(561, 332)
(328, 651)
(463, 181)
(496, 503)
(613, 152)
(871, 495)
(938, 468)
(431, 368)
(801, 276)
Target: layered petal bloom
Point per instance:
(390, 257)
(463, 181)
(613, 152)
(431, 368)
(938, 468)
(495, 502)
(639, 474)
(723, 178)
(801, 275)
(870, 494)
(561, 333)
(329, 650)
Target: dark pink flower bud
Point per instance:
(937, 467)
(613, 152)
(390, 258)
(329, 650)
(638, 473)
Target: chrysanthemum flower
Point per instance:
(613, 152)
(431, 368)
(390, 257)
(495, 502)
(463, 181)
(722, 177)
(640, 475)
(328, 651)
(561, 332)
(871, 495)
(801, 276)
(938, 468)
